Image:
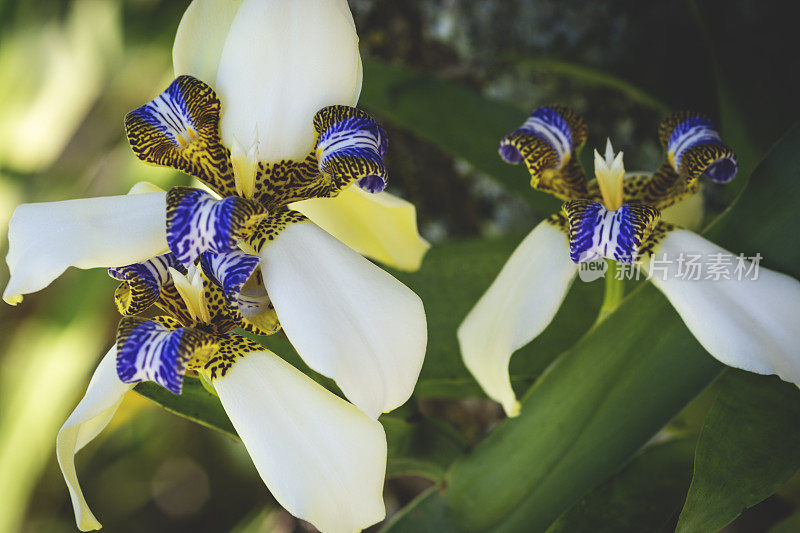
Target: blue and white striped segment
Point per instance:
(197, 222)
(350, 147)
(546, 124)
(149, 351)
(695, 147)
(595, 232)
(143, 282)
(179, 128)
(169, 115)
(231, 271)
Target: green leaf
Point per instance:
(452, 278)
(194, 403)
(592, 76)
(605, 397)
(458, 120)
(644, 496)
(747, 449)
(428, 512)
(422, 446)
(581, 421)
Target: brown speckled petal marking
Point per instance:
(549, 143)
(271, 226)
(659, 232)
(231, 348)
(179, 128)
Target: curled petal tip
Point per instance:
(12, 299)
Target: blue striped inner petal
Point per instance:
(232, 271)
(698, 131)
(143, 282)
(352, 147)
(153, 273)
(149, 351)
(168, 114)
(548, 125)
(595, 232)
(197, 222)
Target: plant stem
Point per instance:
(615, 290)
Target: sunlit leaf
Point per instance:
(748, 448)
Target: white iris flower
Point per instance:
(745, 316)
(261, 113)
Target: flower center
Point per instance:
(610, 172)
(245, 168)
(191, 289)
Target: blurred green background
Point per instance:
(441, 75)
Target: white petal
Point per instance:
(46, 238)
(90, 417)
(380, 226)
(322, 458)
(752, 324)
(201, 36)
(518, 306)
(347, 318)
(282, 62)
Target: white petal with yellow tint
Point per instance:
(687, 213)
(348, 319)
(46, 238)
(281, 63)
(322, 458)
(752, 324)
(201, 36)
(517, 307)
(380, 226)
(90, 417)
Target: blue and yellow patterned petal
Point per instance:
(350, 147)
(548, 143)
(596, 232)
(142, 282)
(248, 303)
(179, 128)
(230, 271)
(694, 148)
(197, 222)
(148, 350)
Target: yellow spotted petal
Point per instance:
(380, 226)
